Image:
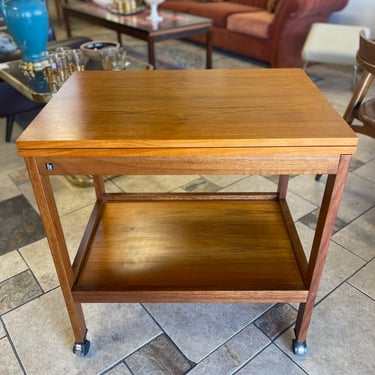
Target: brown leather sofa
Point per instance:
(272, 31)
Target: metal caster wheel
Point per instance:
(81, 348)
(299, 348)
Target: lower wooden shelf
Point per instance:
(169, 251)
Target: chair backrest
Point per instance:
(366, 53)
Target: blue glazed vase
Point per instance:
(27, 22)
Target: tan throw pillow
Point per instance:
(271, 5)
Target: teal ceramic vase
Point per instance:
(27, 22)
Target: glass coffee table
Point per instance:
(35, 87)
(175, 25)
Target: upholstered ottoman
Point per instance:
(333, 44)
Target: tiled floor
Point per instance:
(209, 339)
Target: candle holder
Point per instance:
(154, 16)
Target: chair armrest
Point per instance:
(291, 24)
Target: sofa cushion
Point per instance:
(177, 5)
(254, 3)
(271, 5)
(217, 11)
(255, 24)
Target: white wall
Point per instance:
(357, 12)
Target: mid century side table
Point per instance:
(223, 247)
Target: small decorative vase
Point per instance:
(27, 22)
(154, 16)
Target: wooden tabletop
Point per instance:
(256, 108)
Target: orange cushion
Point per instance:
(271, 5)
(254, 3)
(218, 11)
(257, 24)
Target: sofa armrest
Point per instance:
(291, 24)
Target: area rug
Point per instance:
(183, 54)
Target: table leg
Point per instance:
(119, 38)
(55, 235)
(67, 24)
(283, 186)
(151, 52)
(209, 49)
(327, 217)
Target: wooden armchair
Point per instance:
(359, 108)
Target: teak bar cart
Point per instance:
(177, 247)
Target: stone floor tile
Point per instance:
(271, 361)
(277, 319)
(158, 357)
(358, 195)
(39, 259)
(367, 171)
(27, 191)
(69, 197)
(120, 369)
(233, 353)
(298, 206)
(355, 164)
(364, 280)
(359, 236)
(17, 290)
(8, 361)
(74, 225)
(156, 184)
(8, 188)
(115, 330)
(341, 336)
(199, 185)
(9, 159)
(2, 330)
(365, 150)
(20, 224)
(11, 264)
(307, 188)
(198, 328)
(225, 180)
(251, 184)
(340, 263)
(19, 176)
(38, 255)
(311, 220)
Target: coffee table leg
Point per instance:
(67, 24)
(209, 49)
(151, 52)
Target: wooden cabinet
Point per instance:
(224, 247)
